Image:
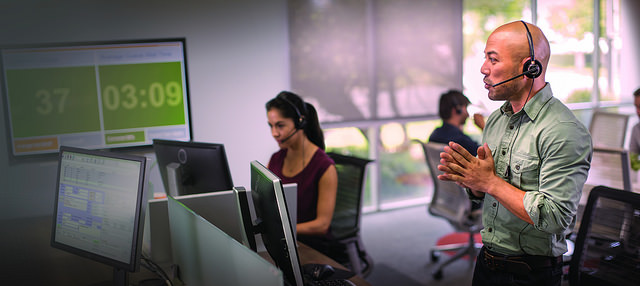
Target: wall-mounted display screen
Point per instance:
(95, 95)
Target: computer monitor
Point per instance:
(274, 224)
(192, 167)
(99, 208)
(94, 95)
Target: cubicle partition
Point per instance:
(218, 208)
(205, 255)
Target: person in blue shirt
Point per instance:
(453, 111)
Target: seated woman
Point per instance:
(301, 159)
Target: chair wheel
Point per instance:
(437, 275)
(435, 256)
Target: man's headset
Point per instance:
(530, 69)
(451, 97)
(300, 122)
(456, 105)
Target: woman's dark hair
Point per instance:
(304, 115)
(451, 99)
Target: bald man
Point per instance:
(530, 169)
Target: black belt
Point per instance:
(520, 264)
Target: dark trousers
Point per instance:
(493, 269)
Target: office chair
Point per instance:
(607, 248)
(345, 225)
(451, 202)
(608, 129)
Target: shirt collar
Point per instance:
(534, 105)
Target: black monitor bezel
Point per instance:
(192, 145)
(244, 213)
(133, 264)
(274, 231)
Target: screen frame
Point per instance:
(4, 94)
(287, 259)
(244, 213)
(133, 263)
(190, 145)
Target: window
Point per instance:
(381, 130)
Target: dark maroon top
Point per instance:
(307, 181)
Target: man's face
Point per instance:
(636, 102)
(464, 115)
(499, 66)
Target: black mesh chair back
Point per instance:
(607, 248)
(345, 224)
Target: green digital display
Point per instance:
(95, 95)
(133, 95)
(50, 101)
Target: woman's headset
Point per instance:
(301, 121)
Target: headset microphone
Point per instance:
(505, 81)
(289, 137)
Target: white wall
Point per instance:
(238, 58)
(629, 59)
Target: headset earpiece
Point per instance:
(301, 121)
(532, 69)
(455, 103)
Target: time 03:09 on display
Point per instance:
(128, 96)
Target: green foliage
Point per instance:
(356, 151)
(481, 12)
(574, 19)
(393, 167)
(635, 161)
(580, 95)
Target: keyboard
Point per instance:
(335, 282)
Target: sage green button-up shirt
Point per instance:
(546, 152)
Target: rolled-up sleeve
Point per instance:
(563, 172)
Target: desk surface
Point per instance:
(309, 255)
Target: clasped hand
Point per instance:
(458, 165)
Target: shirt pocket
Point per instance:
(492, 148)
(525, 170)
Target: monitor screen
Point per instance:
(99, 207)
(95, 95)
(192, 167)
(274, 224)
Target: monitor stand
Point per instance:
(120, 278)
(174, 178)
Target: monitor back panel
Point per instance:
(218, 208)
(291, 195)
